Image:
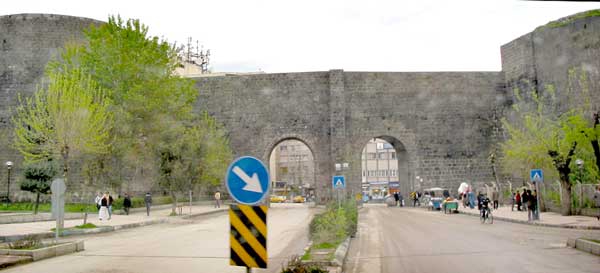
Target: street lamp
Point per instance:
(579, 163)
(8, 166)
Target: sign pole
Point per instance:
(537, 196)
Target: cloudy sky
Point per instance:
(366, 35)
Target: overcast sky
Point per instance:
(366, 35)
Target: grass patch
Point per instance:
(568, 20)
(307, 256)
(592, 240)
(325, 245)
(88, 225)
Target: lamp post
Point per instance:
(8, 167)
(579, 163)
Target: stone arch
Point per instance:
(405, 153)
(317, 170)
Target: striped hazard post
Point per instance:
(248, 236)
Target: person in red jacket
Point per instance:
(518, 198)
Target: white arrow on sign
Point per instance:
(252, 183)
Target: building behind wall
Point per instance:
(292, 169)
(379, 165)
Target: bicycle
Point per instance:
(486, 215)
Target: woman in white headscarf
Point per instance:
(103, 214)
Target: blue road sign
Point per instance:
(338, 182)
(536, 175)
(247, 180)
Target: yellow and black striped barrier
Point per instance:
(248, 236)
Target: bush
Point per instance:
(295, 265)
(29, 242)
(335, 224)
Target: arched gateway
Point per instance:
(445, 123)
(439, 123)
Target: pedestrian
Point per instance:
(597, 200)
(400, 199)
(495, 197)
(530, 206)
(512, 200)
(479, 198)
(397, 198)
(97, 201)
(518, 200)
(418, 196)
(217, 199)
(525, 199)
(126, 204)
(534, 200)
(110, 202)
(103, 213)
(148, 202)
(471, 196)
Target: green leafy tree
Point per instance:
(541, 136)
(37, 178)
(68, 118)
(138, 70)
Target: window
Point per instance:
(393, 155)
(382, 155)
(283, 148)
(371, 155)
(283, 170)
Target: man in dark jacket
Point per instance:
(397, 198)
(148, 201)
(126, 204)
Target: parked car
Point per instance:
(299, 199)
(277, 199)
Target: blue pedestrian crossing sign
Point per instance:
(338, 182)
(247, 180)
(536, 175)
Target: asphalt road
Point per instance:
(412, 240)
(184, 246)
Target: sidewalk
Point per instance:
(11, 232)
(549, 219)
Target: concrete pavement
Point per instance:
(415, 240)
(550, 219)
(181, 246)
(156, 216)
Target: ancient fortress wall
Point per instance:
(442, 124)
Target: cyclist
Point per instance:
(484, 204)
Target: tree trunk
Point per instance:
(561, 163)
(37, 202)
(595, 144)
(174, 205)
(566, 198)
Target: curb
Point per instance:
(505, 219)
(194, 215)
(102, 229)
(584, 245)
(341, 252)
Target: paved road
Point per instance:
(415, 240)
(184, 246)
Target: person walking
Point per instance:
(495, 197)
(148, 202)
(512, 201)
(97, 201)
(217, 199)
(397, 198)
(126, 204)
(525, 199)
(518, 200)
(530, 206)
(471, 196)
(597, 200)
(103, 213)
(110, 200)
